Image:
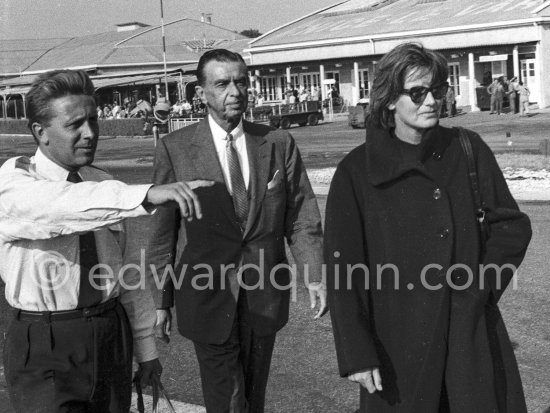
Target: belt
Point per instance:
(49, 316)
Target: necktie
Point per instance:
(240, 196)
(88, 295)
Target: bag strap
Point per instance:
(140, 404)
(158, 391)
(472, 174)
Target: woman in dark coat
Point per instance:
(415, 321)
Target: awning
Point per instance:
(21, 90)
(112, 81)
(139, 80)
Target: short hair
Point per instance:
(391, 73)
(52, 85)
(219, 55)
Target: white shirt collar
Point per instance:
(219, 133)
(48, 168)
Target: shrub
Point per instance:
(111, 127)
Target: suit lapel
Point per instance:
(259, 158)
(203, 153)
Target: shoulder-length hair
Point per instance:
(391, 73)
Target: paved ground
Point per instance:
(304, 376)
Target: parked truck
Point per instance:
(302, 113)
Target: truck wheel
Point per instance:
(312, 119)
(274, 122)
(285, 123)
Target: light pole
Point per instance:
(164, 53)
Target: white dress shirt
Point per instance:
(41, 217)
(220, 142)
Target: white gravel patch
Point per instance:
(528, 185)
(525, 184)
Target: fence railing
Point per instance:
(178, 123)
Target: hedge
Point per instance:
(111, 127)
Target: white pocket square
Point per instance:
(273, 183)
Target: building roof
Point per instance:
(17, 55)
(377, 18)
(125, 48)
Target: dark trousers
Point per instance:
(234, 374)
(82, 365)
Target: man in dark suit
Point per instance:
(231, 283)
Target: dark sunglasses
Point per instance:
(419, 93)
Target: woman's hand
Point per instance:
(370, 379)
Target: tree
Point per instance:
(251, 33)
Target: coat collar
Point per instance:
(386, 160)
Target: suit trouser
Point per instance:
(512, 97)
(523, 106)
(234, 374)
(81, 365)
(498, 104)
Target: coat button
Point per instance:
(444, 233)
(460, 277)
(437, 193)
(436, 156)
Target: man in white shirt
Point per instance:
(261, 196)
(69, 346)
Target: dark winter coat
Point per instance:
(392, 203)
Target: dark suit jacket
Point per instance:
(201, 251)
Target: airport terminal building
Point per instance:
(342, 44)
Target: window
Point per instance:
(311, 82)
(336, 77)
(499, 68)
(268, 87)
(363, 84)
(294, 84)
(454, 77)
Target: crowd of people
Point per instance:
(185, 108)
(115, 110)
(415, 320)
(514, 90)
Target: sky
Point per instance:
(41, 19)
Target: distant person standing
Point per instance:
(512, 95)
(450, 101)
(292, 98)
(115, 110)
(491, 90)
(523, 92)
(499, 92)
(251, 99)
